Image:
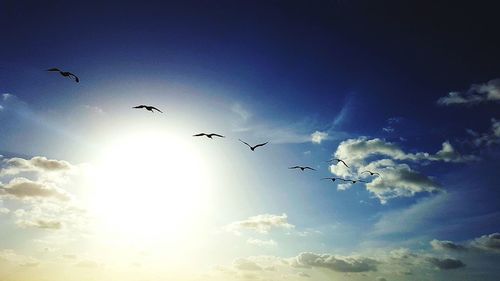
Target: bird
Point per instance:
(338, 160)
(302, 168)
(355, 181)
(334, 179)
(255, 146)
(148, 108)
(208, 135)
(65, 74)
(371, 173)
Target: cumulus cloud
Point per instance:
(14, 166)
(396, 179)
(260, 223)
(477, 93)
(22, 188)
(4, 211)
(489, 242)
(9, 255)
(317, 137)
(41, 223)
(446, 263)
(261, 243)
(446, 245)
(335, 263)
(246, 265)
(399, 180)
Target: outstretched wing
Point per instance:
(77, 80)
(343, 162)
(139, 106)
(154, 108)
(199, 135)
(54, 69)
(217, 135)
(260, 144)
(245, 143)
(327, 178)
(295, 167)
(309, 168)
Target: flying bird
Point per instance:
(334, 179)
(355, 181)
(148, 108)
(371, 173)
(338, 160)
(255, 146)
(302, 168)
(65, 74)
(208, 135)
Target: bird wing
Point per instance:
(326, 178)
(74, 76)
(199, 135)
(331, 160)
(310, 168)
(260, 144)
(156, 109)
(295, 167)
(217, 135)
(139, 106)
(343, 162)
(365, 172)
(376, 174)
(245, 143)
(54, 69)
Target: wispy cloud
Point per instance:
(260, 223)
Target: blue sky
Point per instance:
(92, 189)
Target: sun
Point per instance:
(150, 185)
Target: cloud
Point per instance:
(489, 242)
(14, 166)
(243, 113)
(396, 179)
(9, 255)
(303, 274)
(4, 211)
(317, 137)
(41, 223)
(446, 263)
(335, 263)
(446, 245)
(260, 223)
(246, 265)
(261, 243)
(477, 93)
(399, 180)
(490, 138)
(22, 188)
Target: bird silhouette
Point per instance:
(65, 74)
(371, 173)
(334, 179)
(355, 181)
(255, 146)
(208, 135)
(148, 108)
(302, 168)
(338, 160)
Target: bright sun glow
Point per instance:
(149, 186)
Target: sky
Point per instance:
(92, 189)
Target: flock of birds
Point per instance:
(152, 109)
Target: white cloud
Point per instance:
(260, 223)
(335, 263)
(490, 138)
(477, 93)
(446, 263)
(446, 245)
(317, 137)
(4, 211)
(261, 243)
(11, 256)
(489, 242)
(396, 179)
(40, 223)
(246, 265)
(23, 188)
(14, 166)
